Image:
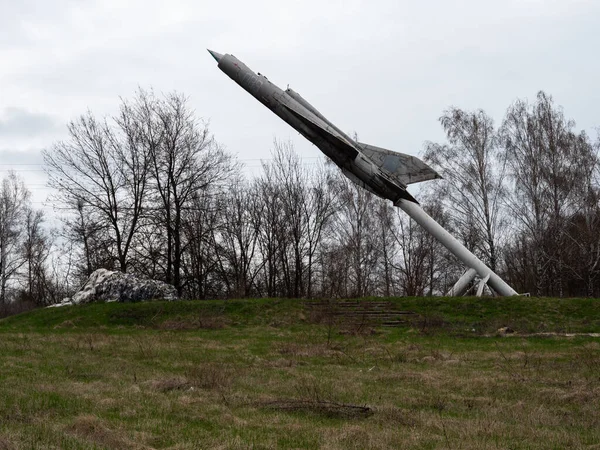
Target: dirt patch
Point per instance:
(321, 408)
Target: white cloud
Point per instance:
(386, 69)
(20, 123)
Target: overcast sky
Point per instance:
(385, 69)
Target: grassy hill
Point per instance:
(468, 315)
(276, 373)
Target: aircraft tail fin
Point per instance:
(405, 168)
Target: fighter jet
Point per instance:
(383, 172)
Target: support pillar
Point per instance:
(456, 248)
(462, 284)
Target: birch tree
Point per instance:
(14, 204)
(473, 169)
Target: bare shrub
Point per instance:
(320, 315)
(399, 357)
(431, 323)
(146, 347)
(87, 341)
(210, 376)
(310, 388)
(590, 358)
(521, 366)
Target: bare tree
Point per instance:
(386, 223)
(353, 229)
(271, 235)
(296, 205)
(473, 169)
(525, 158)
(291, 178)
(415, 249)
(14, 204)
(237, 240)
(318, 211)
(549, 169)
(103, 167)
(36, 250)
(87, 235)
(202, 221)
(578, 259)
(135, 175)
(184, 159)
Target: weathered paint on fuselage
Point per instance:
(311, 124)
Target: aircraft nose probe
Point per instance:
(215, 55)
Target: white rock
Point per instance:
(108, 286)
(505, 331)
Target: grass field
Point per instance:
(276, 374)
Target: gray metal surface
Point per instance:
(383, 172)
(462, 285)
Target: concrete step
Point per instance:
(375, 313)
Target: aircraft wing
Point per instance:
(323, 131)
(405, 168)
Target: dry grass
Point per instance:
(211, 376)
(91, 429)
(310, 387)
(321, 407)
(171, 384)
(195, 323)
(6, 444)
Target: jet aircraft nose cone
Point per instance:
(215, 55)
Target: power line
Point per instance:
(238, 159)
(22, 170)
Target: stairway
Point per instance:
(359, 312)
